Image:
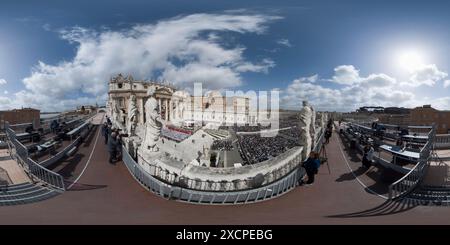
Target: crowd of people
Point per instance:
(292, 132)
(222, 145)
(113, 140)
(254, 148)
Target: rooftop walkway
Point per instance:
(11, 170)
(101, 193)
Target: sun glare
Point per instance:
(410, 60)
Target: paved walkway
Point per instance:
(443, 153)
(107, 194)
(15, 173)
(438, 174)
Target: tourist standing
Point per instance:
(105, 132)
(112, 147)
(328, 133)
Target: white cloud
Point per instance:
(426, 75)
(284, 42)
(446, 83)
(375, 89)
(3, 81)
(176, 50)
(6, 92)
(346, 74)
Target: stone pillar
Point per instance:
(170, 110)
(159, 103)
(166, 113)
(141, 110)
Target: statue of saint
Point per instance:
(116, 113)
(153, 123)
(305, 125)
(312, 129)
(132, 116)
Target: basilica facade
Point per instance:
(175, 106)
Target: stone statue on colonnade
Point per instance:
(312, 128)
(132, 116)
(153, 123)
(116, 115)
(305, 125)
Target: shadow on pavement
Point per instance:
(386, 208)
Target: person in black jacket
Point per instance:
(112, 147)
(328, 133)
(106, 131)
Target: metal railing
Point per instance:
(413, 177)
(51, 178)
(410, 180)
(49, 161)
(20, 153)
(442, 141)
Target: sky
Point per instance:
(338, 55)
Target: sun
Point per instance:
(410, 60)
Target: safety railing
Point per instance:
(442, 141)
(414, 176)
(410, 180)
(51, 178)
(62, 153)
(20, 153)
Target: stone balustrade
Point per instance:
(202, 178)
(222, 179)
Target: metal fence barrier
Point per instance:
(49, 177)
(20, 153)
(408, 182)
(413, 177)
(442, 141)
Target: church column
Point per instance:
(166, 113)
(177, 109)
(141, 110)
(170, 110)
(159, 103)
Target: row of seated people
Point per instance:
(254, 148)
(174, 135)
(222, 145)
(250, 128)
(181, 130)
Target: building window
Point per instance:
(120, 101)
(119, 85)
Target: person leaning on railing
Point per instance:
(311, 165)
(367, 155)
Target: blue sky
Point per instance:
(339, 55)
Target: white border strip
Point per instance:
(357, 179)
(90, 155)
